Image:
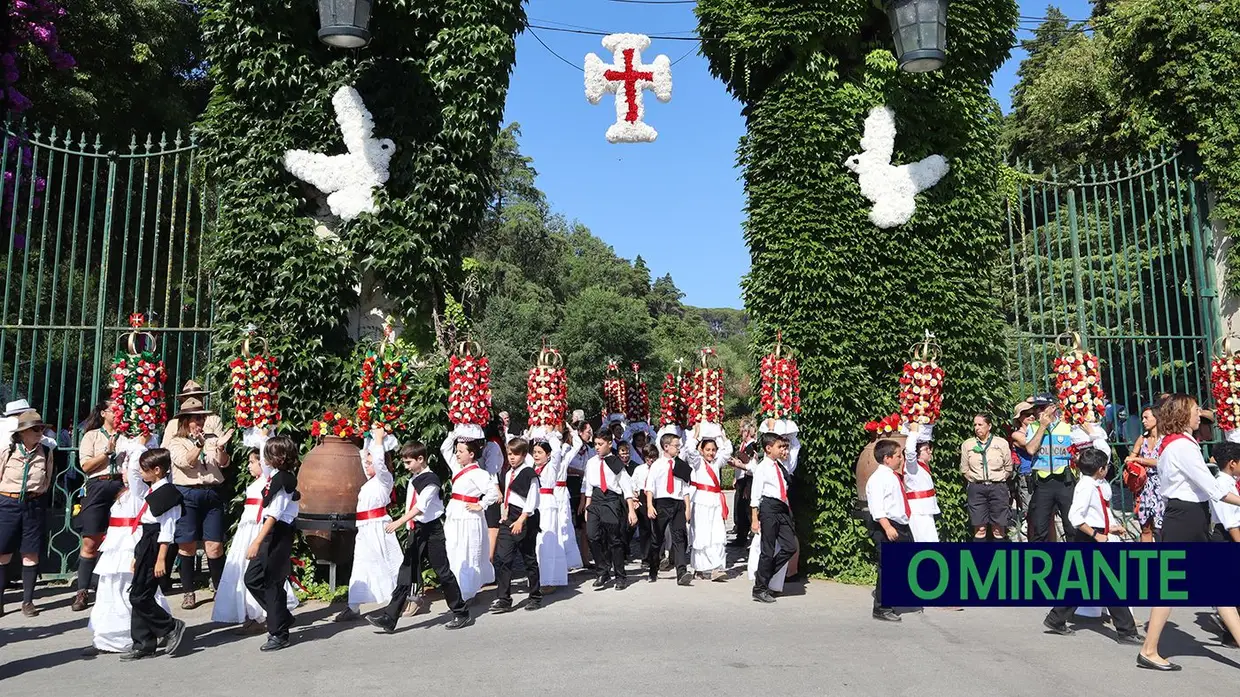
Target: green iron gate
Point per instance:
(93, 235)
(1121, 253)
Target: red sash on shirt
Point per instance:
(463, 471)
(372, 514)
(1171, 438)
(131, 523)
(928, 493)
(466, 499)
(717, 488)
(138, 520)
(256, 502)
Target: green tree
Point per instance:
(599, 324)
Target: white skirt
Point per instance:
(568, 533)
(755, 551)
(233, 603)
(923, 528)
(552, 564)
(468, 552)
(710, 536)
(110, 616)
(376, 561)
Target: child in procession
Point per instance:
(161, 508)
(1090, 518)
(110, 617)
(234, 604)
(708, 450)
(775, 584)
(918, 481)
(271, 553)
(425, 546)
(610, 502)
(771, 519)
(518, 530)
(642, 528)
(888, 503)
(577, 461)
(376, 553)
(668, 505)
(465, 529)
(556, 544)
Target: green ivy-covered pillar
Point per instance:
(435, 78)
(849, 297)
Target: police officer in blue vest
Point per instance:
(1049, 443)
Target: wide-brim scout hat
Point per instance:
(28, 420)
(193, 407)
(17, 407)
(192, 389)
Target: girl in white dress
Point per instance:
(110, 616)
(233, 603)
(376, 553)
(465, 525)
(555, 524)
(707, 455)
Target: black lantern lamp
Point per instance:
(919, 28)
(343, 23)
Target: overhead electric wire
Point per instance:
(552, 51)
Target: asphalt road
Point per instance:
(708, 639)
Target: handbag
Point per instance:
(1134, 476)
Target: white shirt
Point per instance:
(1088, 508)
(474, 483)
(518, 501)
(1222, 513)
(620, 483)
(580, 455)
(376, 493)
(703, 471)
(1183, 475)
(167, 521)
(766, 480)
(640, 473)
(426, 500)
(282, 507)
(885, 496)
(657, 479)
(918, 481)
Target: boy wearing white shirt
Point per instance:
(160, 511)
(1090, 518)
(610, 501)
(425, 546)
(518, 529)
(888, 503)
(271, 552)
(667, 505)
(772, 518)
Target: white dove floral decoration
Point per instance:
(892, 188)
(348, 180)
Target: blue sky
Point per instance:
(677, 202)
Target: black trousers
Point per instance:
(775, 525)
(1121, 616)
(644, 530)
(1051, 494)
(605, 533)
(741, 508)
(266, 575)
(148, 622)
(510, 546)
(879, 537)
(670, 514)
(426, 545)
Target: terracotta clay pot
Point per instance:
(329, 479)
(866, 464)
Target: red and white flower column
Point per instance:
(138, 379)
(469, 391)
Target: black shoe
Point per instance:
(886, 615)
(90, 652)
(685, 579)
(175, 636)
(380, 621)
(622, 583)
(600, 583)
(275, 643)
(136, 655)
(1143, 662)
(459, 621)
(1061, 629)
(499, 606)
(162, 642)
(1133, 639)
(533, 604)
(738, 542)
(763, 597)
(653, 577)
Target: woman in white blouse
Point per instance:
(1188, 487)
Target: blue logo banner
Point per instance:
(1047, 575)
